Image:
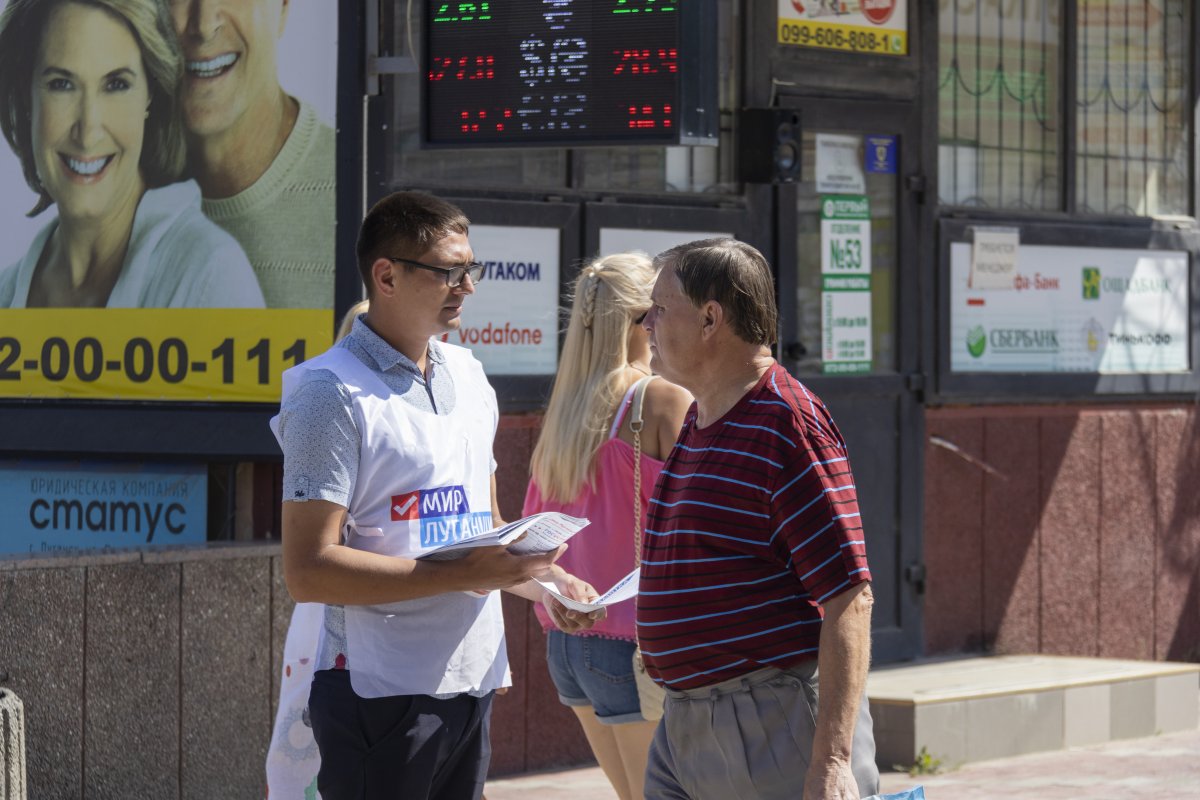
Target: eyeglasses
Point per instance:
(454, 275)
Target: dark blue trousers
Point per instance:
(409, 747)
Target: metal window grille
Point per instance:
(1131, 108)
(999, 106)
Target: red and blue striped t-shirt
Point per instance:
(753, 524)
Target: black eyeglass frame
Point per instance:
(474, 269)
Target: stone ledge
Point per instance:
(946, 680)
(211, 551)
(975, 709)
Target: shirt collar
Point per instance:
(383, 354)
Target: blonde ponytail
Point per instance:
(608, 294)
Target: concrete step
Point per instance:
(972, 709)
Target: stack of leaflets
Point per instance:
(530, 536)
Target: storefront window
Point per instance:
(1132, 107)
(998, 103)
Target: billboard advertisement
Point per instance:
(1072, 309)
(167, 196)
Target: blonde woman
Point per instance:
(583, 465)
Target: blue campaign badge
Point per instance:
(880, 154)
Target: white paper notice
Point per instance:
(840, 164)
(994, 259)
(624, 589)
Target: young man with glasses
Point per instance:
(387, 441)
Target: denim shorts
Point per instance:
(597, 672)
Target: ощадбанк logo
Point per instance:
(1091, 283)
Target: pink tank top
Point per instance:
(602, 553)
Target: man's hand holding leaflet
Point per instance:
(532, 535)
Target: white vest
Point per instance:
(423, 479)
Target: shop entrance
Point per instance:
(850, 302)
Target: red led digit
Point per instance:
(645, 61)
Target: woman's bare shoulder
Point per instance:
(667, 403)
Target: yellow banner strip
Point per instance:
(224, 355)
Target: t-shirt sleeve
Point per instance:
(320, 442)
(815, 519)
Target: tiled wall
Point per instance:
(143, 674)
(1063, 530)
(156, 674)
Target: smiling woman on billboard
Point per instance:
(88, 102)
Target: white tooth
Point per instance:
(212, 66)
(87, 167)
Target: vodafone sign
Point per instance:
(878, 11)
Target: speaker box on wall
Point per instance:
(769, 145)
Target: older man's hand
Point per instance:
(830, 779)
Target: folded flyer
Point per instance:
(532, 535)
(623, 589)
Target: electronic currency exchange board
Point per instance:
(570, 72)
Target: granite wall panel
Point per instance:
(132, 682)
(41, 642)
(1127, 534)
(1089, 531)
(1069, 550)
(953, 536)
(1011, 505)
(509, 742)
(226, 676)
(1177, 574)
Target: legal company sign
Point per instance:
(73, 506)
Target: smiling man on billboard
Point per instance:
(263, 159)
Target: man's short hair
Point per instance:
(733, 274)
(405, 225)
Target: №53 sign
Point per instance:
(845, 284)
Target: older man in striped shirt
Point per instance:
(754, 568)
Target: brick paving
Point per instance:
(1163, 767)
